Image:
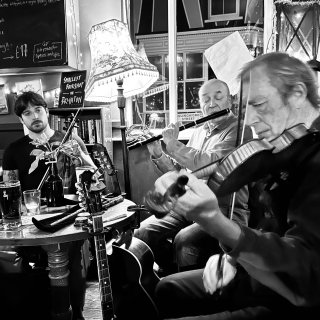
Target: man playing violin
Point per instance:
(216, 138)
(32, 111)
(277, 274)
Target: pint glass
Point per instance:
(10, 204)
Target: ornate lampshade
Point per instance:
(158, 86)
(113, 58)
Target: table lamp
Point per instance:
(117, 72)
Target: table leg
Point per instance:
(58, 274)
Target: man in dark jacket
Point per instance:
(278, 274)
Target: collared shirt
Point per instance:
(205, 146)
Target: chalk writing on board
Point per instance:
(32, 33)
(47, 51)
(22, 3)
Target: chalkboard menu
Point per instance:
(72, 87)
(32, 33)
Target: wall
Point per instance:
(93, 12)
(90, 13)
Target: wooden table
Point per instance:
(55, 246)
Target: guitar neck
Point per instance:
(103, 271)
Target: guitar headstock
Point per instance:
(100, 154)
(90, 192)
(86, 179)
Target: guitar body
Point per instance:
(126, 277)
(133, 281)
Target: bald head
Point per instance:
(214, 95)
(213, 83)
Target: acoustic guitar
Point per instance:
(126, 277)
(94, 206)
(133, 281)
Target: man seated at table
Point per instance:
(20, 155)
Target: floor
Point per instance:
(92, 307)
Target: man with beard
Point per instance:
(215, 139)
(32, 111)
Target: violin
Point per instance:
(247, 163)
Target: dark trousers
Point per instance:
(191, 246)
(182, 295)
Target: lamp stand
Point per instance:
(121, 106)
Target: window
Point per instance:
(191, 73)
(223, 10)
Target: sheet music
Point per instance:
(227, 57)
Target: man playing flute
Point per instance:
(215, 139)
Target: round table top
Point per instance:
(29, 235)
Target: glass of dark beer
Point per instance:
(10, 204)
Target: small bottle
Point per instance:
(54, 188)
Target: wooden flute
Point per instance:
(183, 127)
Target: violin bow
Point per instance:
(65, 137)
(239, 140)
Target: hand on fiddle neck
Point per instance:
(171, 132)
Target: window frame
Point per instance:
(224, 17)
(184, 81)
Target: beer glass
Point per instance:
(10, 204)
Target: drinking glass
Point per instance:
(10, 204)
(32, 201)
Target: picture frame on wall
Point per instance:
(3, 101)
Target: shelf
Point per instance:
(66, 111)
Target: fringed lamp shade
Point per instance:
(113, 58)
(158, 86)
